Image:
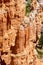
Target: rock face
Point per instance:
(40, 2)
(18, 33)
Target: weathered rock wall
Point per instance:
(18, 32)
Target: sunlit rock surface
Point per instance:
(18, 32)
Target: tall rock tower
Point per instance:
(12, 13)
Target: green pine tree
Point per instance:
(39, 46)
(41, 40)
(28, 8)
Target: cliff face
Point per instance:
(18, 33)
